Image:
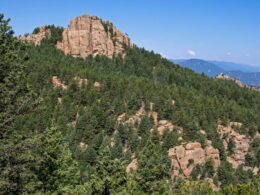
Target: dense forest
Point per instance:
(68, 140)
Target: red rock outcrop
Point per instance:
(242, 143)
(238, 82)
(186, 157)
(164, 125)
(89, 35)
(58, 84)
(132, 166)
(36, 39)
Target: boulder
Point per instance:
(132, 166)
(192, 146)
(97, 85)
(57, 83)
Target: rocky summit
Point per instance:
(90, 35)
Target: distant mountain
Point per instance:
(230, 66)
(202, 66)
(247, 74)
(252, 78)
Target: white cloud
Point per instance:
(164, 55)
(191, 52)
(228, 53)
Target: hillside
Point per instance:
(201, 66)
(132, 123)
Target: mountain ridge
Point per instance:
(212, 70)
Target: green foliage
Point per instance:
(152, 169)
(122, 133)
(208, 171)
(18, 160)
(15, 97)
(195, 188)
(231, 146)
(251, 188)
(56, 34)
(57, 163)
(91, 156)
(31, 150)
(145, 126)
(170, 140)
(226, 174)
(109, 175)
(36, 30)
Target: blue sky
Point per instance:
(210, 29)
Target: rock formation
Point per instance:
(58, 84)
(80, 82)
(242, 143)
(36, 39)
(97, 86)
(162, 125)
(185, 157)
(132, 166)
(238, 82)
(165, 125)
(89, 35)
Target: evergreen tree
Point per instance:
(231, 146)
(91, 156)
(15, 96)
(57, 164)
(152, 171)
(170, 140)
(225, 174)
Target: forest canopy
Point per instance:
(55, 141)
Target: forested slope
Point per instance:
(71, 139)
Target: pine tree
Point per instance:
(152, 170)
(57, 163)
(110, 175)
(90, 156)
(17, 146)
(18, 160)
(122, 133)
(15, 96)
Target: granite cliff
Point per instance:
(86, 35)
(89, 35)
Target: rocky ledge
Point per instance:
(37, 38)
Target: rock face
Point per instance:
(36, 39)
(186, 157)
(132, 166)
(238, 82)
(242, 143)
(57, 83)
(89, 35)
